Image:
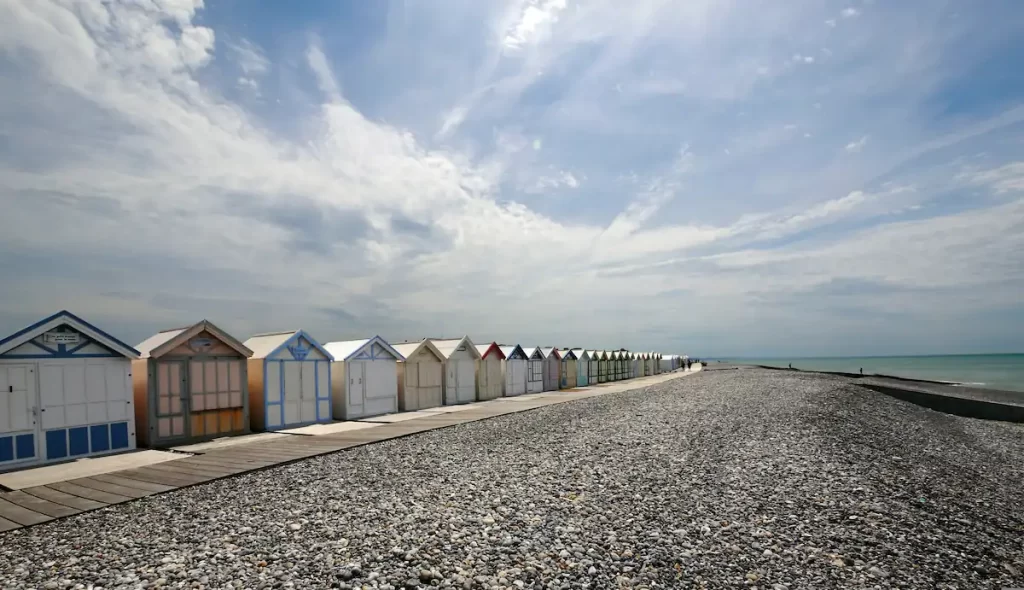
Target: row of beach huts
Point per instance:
(69, 390)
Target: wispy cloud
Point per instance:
(857, 145)
(374, 196)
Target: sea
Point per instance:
(993, 371)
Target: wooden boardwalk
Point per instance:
(39, 504)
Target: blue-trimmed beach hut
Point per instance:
(289, 381)
(65, 393)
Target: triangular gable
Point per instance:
(486, 350)
(184, 335)
(551, 351)
(371, 349)
(46, 336)
(514, 352)
(568, 354)
(411, 349)
(534, 353)
(299, 345)
(448, 347)
(581, 355)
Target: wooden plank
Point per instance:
(6, 525)
(87, 493)
(59, 497)
(183, 468)
(256, 454)
(111, 488)
(133, 483)
(20, 514)
(39, 505)
(176, 480)
(229, 462)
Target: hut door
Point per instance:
(19, 427)
(451, 390)
(357, 386)
(307, 408)
(171, 405)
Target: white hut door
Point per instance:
(307, 409)
(357, 387)
(451, 382)
(19, 431)
(292, 392)
(467, 381)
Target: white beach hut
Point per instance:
(514, 369)
(567, 377)
(534, 369)
(364, 378)
(460, 358)
(65, 393)
(594, 371)
(552, 368)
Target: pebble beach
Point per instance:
(723, 479)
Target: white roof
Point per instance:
(262, 345)
(341, 349)
(408, 349)
(66, 318)
(547, 351)
(529, 351)
(162, 342)
(510, 350)
(448, 346)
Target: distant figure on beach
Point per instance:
(862, 370)
(790, 365)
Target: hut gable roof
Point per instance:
(161, 343)
(409, 349)
(343, 350)
(66, 318)
(449, 346)
(269, 344)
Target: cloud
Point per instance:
(559, 180)
(856, 146)
(373, 199)
(534, 23)
(850, 12)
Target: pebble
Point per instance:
(724, 478)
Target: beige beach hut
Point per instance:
(419, 376)
(459, 376)
(190, 385)
(489, 380)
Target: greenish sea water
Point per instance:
(994, 371)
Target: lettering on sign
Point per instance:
(200, 344)
(299, 352)
(61, 337)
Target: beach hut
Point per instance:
(289, 381)
(657, 363)
(649, 363)
(567, 378)
(602, 366)
(534, 370)
(613, 365)
(669, 363)
(459, 380)
(552, 368)
(65, 393)
(593, 367)
(489, 381)
(627, 364)
(364, 378)
(620, 365)
(635, 364)
(419, 375)
(190, 385)
(514, 370)
(582, 367)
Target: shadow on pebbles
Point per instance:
(719, 480)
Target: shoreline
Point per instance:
(959, 400)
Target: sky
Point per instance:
(706, 177)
